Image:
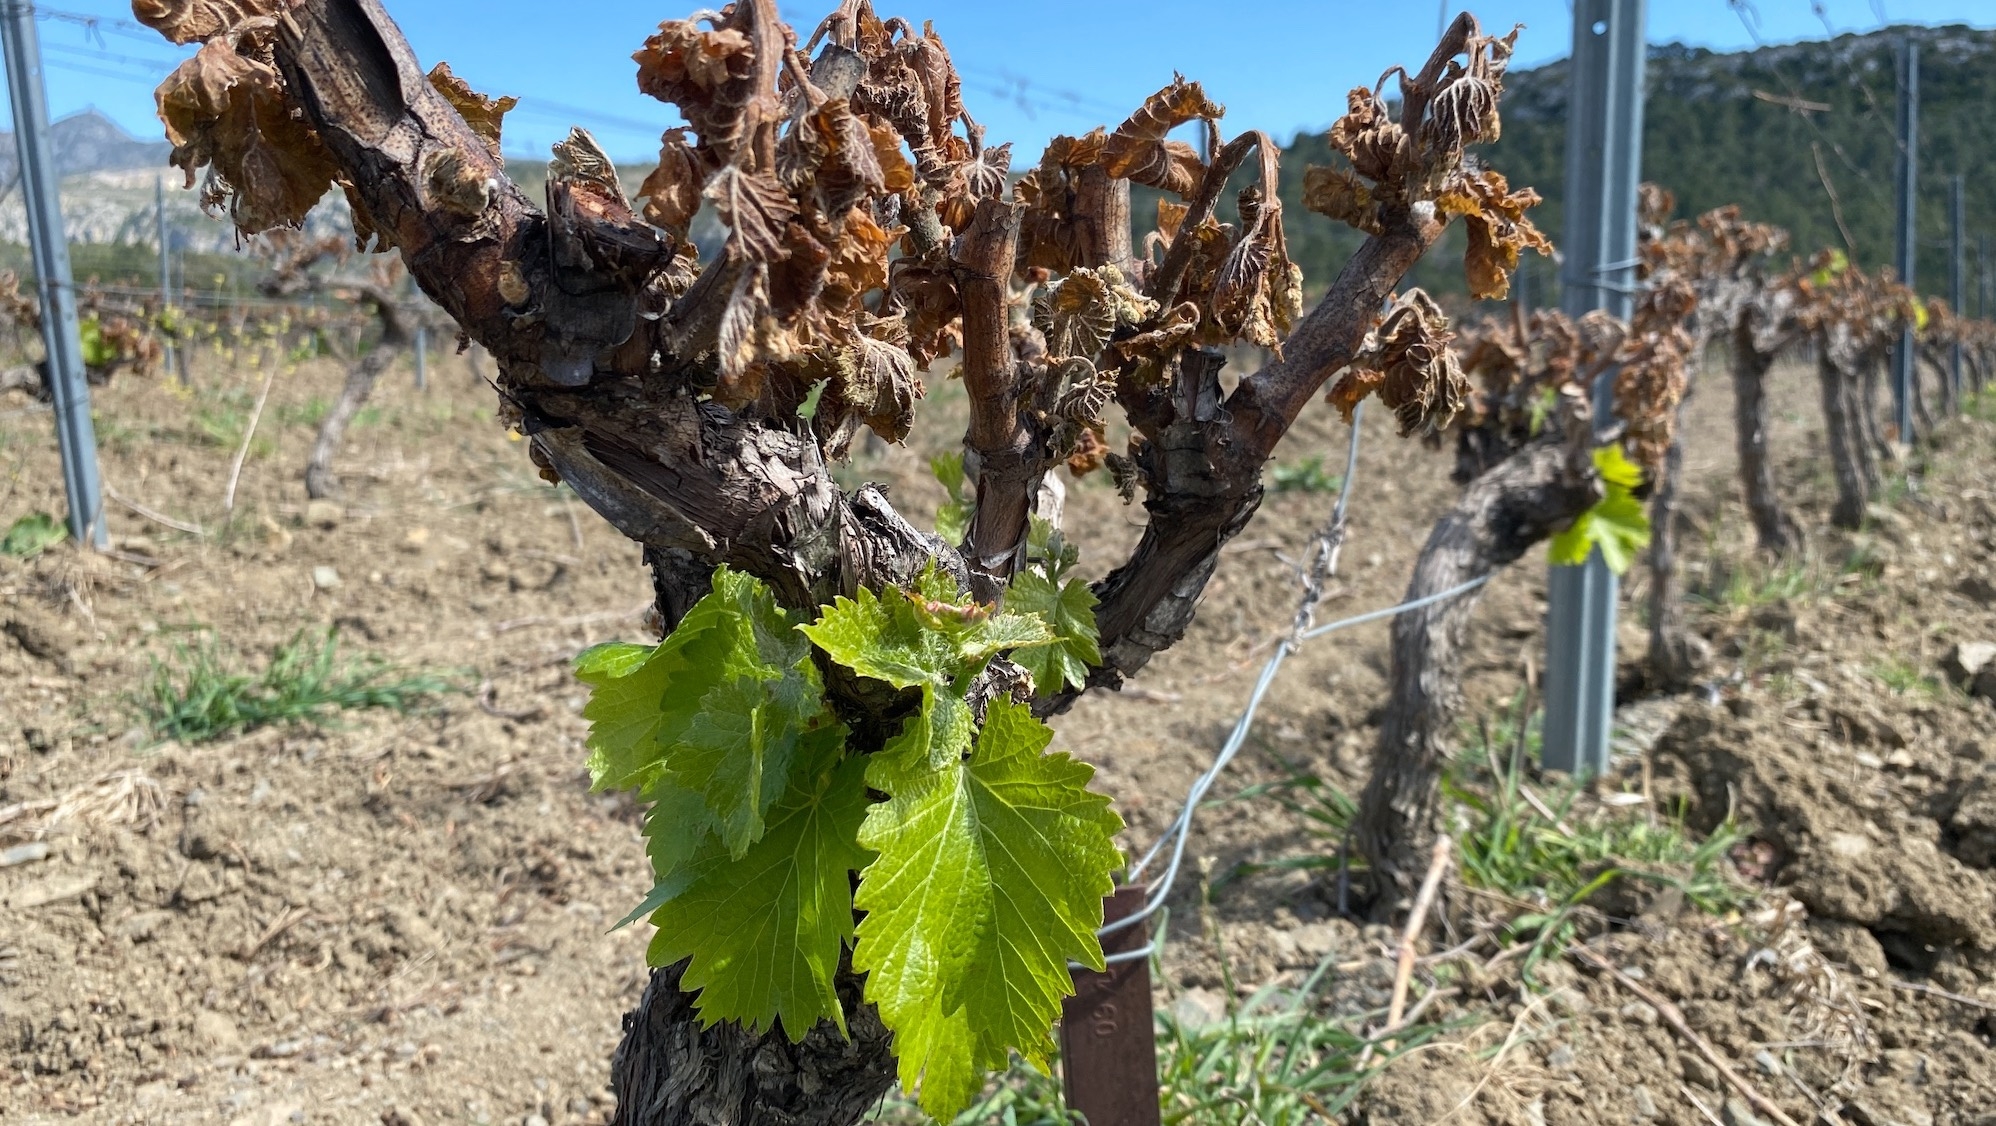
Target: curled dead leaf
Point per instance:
(1407, 361)
(756, 207)
(1369, 138)
(227, 111)
(197, 21)
(1499, 230)
(1340, 194)
(483, 114)
(709, 73)
(1138, 150)
(672, 190)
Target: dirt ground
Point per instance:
(406, 919)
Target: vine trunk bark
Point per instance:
(669, 1071)
(1778, 532)
(1849, 447)
(1527, 498)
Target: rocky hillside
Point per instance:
(88, 142)
(1747, 128)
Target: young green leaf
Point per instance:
(1068, 609)
(633, 718)
(1617, 524)
(881, 637)
(715, 709)
(931, 636)
(935, 736)
(989, 878)
(953, 515)
(764, 931)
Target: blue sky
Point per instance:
(1032, 68)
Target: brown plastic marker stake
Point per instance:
(1108, 1044)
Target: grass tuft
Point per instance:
(199, 694)
(1306, 476)
(1905, 678)
(1546, 857)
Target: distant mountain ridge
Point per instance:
(1724, 128)
(1720, 128)
(88, 142)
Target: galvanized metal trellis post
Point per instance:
(1906, 186)
(1957, 289)
(165, 266)
(1603, 166)
(1982, 277)
(63, 368)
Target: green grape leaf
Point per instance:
(953, 515)
(715, 709)
(1068, 609)
(737, 750)
(929, 637)
(676, 827)
(1616, 468)
(1617, 524)
(881, 637)
(935, 736)
(1046, 545)
(989, 878)
(764, 931)
(97, 351)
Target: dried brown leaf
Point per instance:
(756, 207)
(1498, 228)
(1408, 362)
(672, 190)
(197, 21)
(228, 112)
(483, 114)
(1138, 150)
(1370, 138)
(1339, 194)
(709, 74)
(896, 174)
(859, 261)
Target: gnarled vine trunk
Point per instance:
(1504, 513)
(1849, 446)
(610, 366)
(1778, 533)
(320, 482)
(668, 1071)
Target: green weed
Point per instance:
(1905, 678)
(32, 534)
(199, 694)
(1750, 584)
(1280, 1056)
(1545, 857)
(1306, 476)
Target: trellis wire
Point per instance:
(1329, 543)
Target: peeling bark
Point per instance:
(669, 1071)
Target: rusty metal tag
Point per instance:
(1108, 1043)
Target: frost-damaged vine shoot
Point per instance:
(867, 861)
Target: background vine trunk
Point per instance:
(1523, 501)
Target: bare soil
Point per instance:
(407, 918)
